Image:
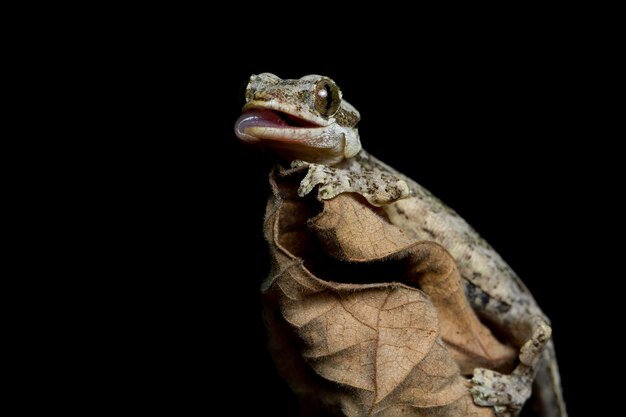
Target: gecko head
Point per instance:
(303, 119)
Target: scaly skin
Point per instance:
(320, 135)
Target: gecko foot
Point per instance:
(508, 393)
(505, 393)
(359, 176)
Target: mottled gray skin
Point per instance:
(495, 291)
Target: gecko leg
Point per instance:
(508, 393)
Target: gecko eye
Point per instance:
(327, 97)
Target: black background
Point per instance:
(488, 130)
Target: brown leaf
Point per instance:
(354, 338)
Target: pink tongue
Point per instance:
(254, 118)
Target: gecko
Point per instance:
(307, 122)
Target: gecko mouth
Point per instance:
(257, 124)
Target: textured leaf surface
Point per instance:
(359, 344)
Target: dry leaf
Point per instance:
(363, 319)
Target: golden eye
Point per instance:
(327, 97)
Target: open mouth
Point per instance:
(256, 124)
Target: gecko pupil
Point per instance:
(329, 98)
